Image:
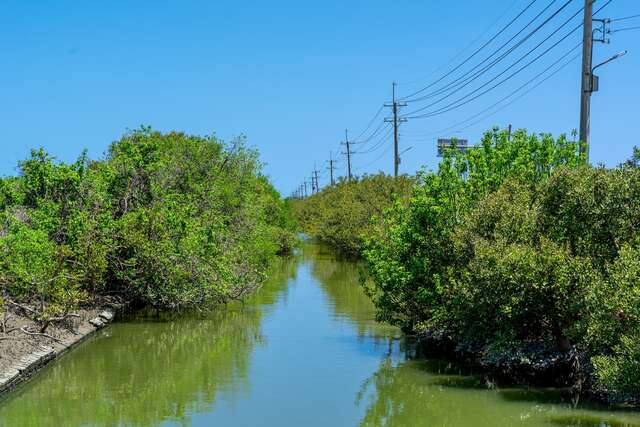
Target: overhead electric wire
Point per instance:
(380, 127)
(462, 101)
(465, 79)
(468, 46)
(624, 29)
(370, 122)
(377, 159)
(462, 77)
(505, 70)
(624, 18)
(525, 92)
(377, 145)
(470, 57)
(520, 88)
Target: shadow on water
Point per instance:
(436, 393)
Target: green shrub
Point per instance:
(512, 285)
(614, 325)
(166, 219)
(539, 249)
(343, 215)
(412, 256)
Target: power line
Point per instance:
(507, 69)
(303, 187)
(370, 122)
(475, 40)
(624, 29)
(378, 144)
(520, 88)
(380, 127)
(513, 101)
(466, 79)
(470, 57)
(384, 153)
(572, 59)
(461, 101)
(624, 18)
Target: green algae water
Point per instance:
(302, 351)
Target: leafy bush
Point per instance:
(614, 326)
(513, 284)
(412, 256)
(542, 250)
(342, 215)
(166, 219)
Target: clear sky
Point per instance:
(291, 75)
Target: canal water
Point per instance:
(303, 351)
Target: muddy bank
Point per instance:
(535, 364)
(532, 365)
(24, 350)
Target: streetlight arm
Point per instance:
(616, 56)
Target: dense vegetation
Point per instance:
(168, 220)
(514, 244)
(344, 214)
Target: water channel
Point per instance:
(302, 351)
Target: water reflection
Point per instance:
(436, 393)
(151, 368)
(304, 350)
(339, 279)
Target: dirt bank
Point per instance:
(24, 350)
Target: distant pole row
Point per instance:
(589, 85)
(348, 151)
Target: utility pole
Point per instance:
(585, 90)
(509, 131)
(331, 166)
(315, 179)
(305, 187)
(590, 82)
(396, 122)
(348, 153)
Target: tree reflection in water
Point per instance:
(437, 393)
(151, 368)
(340, 281)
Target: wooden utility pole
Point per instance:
(396, 122)
(314, 179)
(348, 153)
(585, 90)
(331, 166)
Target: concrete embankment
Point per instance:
(24, 353)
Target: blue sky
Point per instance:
(290, 75)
